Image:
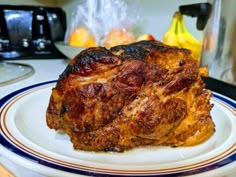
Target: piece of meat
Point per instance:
(141, 94)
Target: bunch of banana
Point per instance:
(178, 35)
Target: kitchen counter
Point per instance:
(45, 70)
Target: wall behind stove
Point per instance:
(30, 2)
(155, 15)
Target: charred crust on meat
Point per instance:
(64, 109)
(131, 52)
(181, 62)
(84, 61)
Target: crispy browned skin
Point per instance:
(145, 93)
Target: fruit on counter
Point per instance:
(187, 40)
(118, 37)
(145, 37)
(170, 36)
(81, 37)
(178, 35)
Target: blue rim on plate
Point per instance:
(228, 159)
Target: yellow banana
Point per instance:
(170, 36)
(186, 40)
(188, 35)
(178, 35)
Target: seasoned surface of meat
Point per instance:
(141, 94)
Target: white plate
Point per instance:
(26, 139)
(69, 51)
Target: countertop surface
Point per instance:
(45, 70)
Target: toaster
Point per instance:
(30, 32)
